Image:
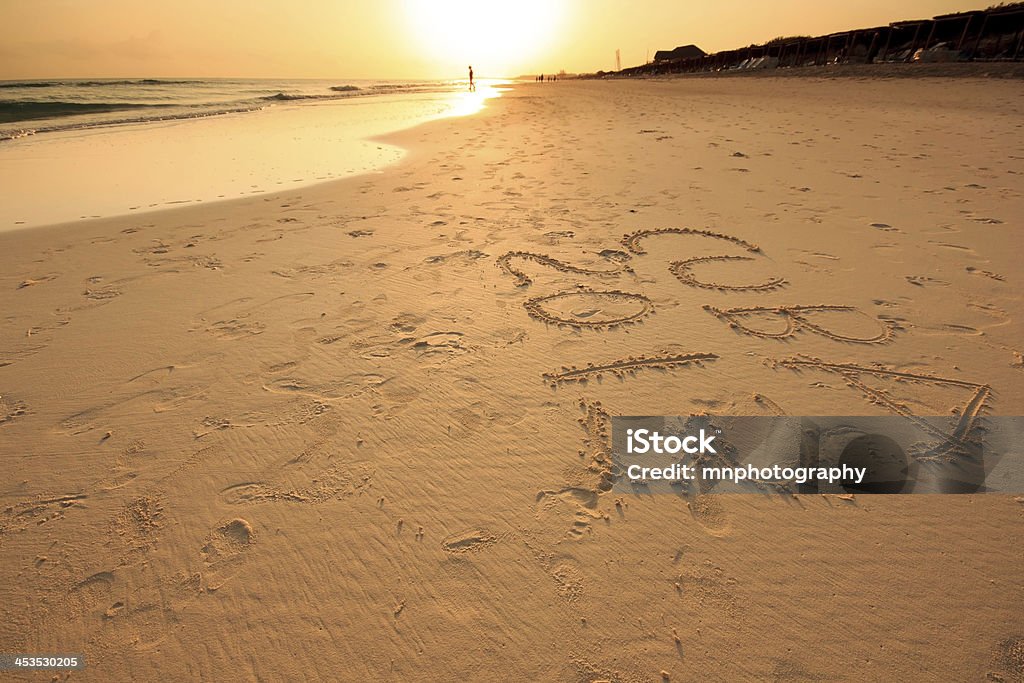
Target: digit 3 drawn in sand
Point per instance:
(625, 366)
(681, 269)
(504, 262)
(632, 240)
(590, 309)
(796, 320)
(950, 444)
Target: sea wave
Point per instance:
(397, 86)
(340, 92)
(13, 110)
(92, 84)
(180, 115)
(29, 107)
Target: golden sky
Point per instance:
(398, 38)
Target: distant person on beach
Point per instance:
(472, 86)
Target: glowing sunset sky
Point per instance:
(398, 38)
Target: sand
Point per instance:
(329, 434)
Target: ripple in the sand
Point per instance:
(590, 309)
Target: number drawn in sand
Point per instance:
(796, 319)
(632, 240)
(682, 271)
(626, 366)
(595, 474)
(949, 444)
(504, 262)
(597, 445)
(590, 309)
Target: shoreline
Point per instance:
(230, 156)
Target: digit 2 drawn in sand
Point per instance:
(632, 240)
(681, 269)
(626, 366)
(593, 310)
(504, 262)
(950, 444)
(796, 320)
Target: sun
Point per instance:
(498, 37)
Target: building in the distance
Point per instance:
(682, 52)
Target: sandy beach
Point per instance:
(349, 431)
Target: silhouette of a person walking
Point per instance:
(472, 85)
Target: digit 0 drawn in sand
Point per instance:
(598, 310)
(632, 240)
(626, 366)
(681, 269)
(796, 319)
(504, 262)
(949, 444)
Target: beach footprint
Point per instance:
(709, 512)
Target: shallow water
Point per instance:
(104, 169)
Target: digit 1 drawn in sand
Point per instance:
(632, 240)
(594, 310)
(681, 269)
(796, 320)
(625, 366)
(595, 475)
(950, 444)
(504, 262)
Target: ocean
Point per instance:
(45, 106)
(79, 149)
